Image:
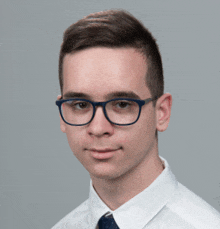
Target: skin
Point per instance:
(135, 164)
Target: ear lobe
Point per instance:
(62, 124)
(163, 109)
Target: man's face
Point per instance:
(98, 72)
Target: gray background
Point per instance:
(40, 179)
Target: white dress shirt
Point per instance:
(164, 204)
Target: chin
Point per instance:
(104, 173)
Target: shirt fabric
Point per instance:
(164, 204)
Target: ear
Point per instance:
(163, 111)
(62, 123)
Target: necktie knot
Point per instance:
(107, 222)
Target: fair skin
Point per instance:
(133, 163)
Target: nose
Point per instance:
(100, 126)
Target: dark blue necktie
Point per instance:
(107, 222)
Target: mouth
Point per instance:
(104, 153)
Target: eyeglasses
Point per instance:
(119, 111)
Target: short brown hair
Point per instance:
(114, 29)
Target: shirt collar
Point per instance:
(139, 210)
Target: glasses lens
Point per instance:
(77, 111)
(122, 111)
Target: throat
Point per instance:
(116, 192)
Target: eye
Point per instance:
(81, 105)
(122, 104)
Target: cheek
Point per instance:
(140, 135)
(75, 144)
(133, 138)
(74, 138)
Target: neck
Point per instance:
(116, 192)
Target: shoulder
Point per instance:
(193, 209)
(75, 219)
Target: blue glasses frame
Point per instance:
(103, 104)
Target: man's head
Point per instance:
(115, 29)
(105, 56)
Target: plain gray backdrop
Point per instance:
(40, 179)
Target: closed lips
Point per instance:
(103, 150)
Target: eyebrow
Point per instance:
(72, 95)
(112, 95)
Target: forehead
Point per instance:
(99, 71)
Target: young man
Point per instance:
(111, 106)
